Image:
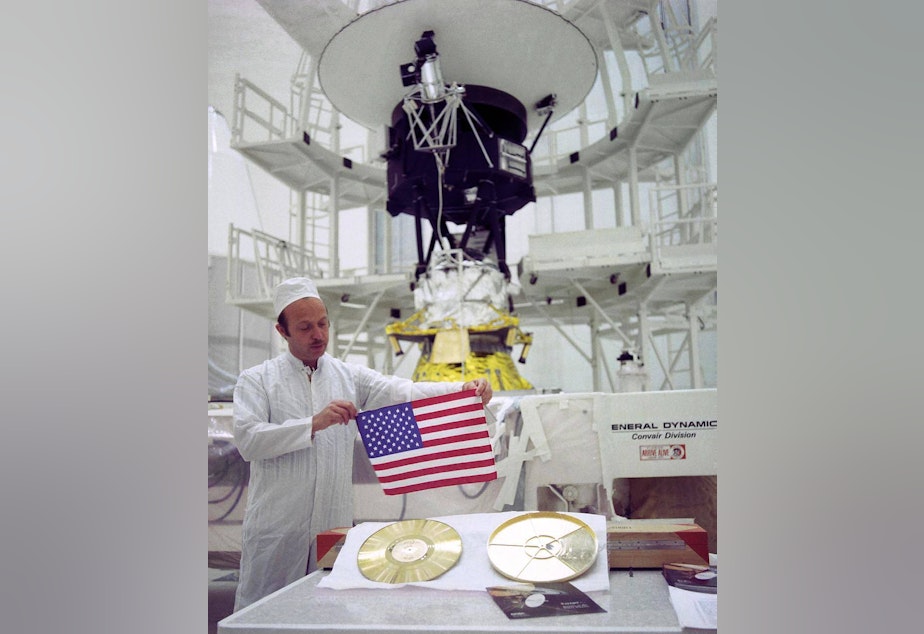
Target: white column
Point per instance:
(332, 209)
(696, 373)
(633, 188)
(588, 201)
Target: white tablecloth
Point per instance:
(473, 571)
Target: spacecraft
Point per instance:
(475, 81)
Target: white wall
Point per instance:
(245, 40)
(232, 199)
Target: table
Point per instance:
(637, 603)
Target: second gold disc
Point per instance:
(542, 547)
(409, 550)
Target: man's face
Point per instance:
(308, 329)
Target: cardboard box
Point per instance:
(653, 543)
(328, 545)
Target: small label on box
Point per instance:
(662, 452)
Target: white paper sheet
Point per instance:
(473, 571)
(695, 609)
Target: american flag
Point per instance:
(429, 443)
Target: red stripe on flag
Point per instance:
(462, 409)
(448, 468)
(436, 442)
(440, 483)
(443, 398)
(459, 424)
(427, 457)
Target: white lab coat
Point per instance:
(299, 487)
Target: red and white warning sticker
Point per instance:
(662, 452)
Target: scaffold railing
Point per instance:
(683, 214)
(255, 108)
(274, 260)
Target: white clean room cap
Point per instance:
(291, 290)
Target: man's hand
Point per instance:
(336, 413)
(482, 388)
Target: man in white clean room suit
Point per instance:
(294, 422)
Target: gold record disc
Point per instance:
(409, 550)
(542, 547)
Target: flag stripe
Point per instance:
(439, 444)
(433, 430)
(384, 464)
(468, 408)
(484, 473)
(438, 441)
(423, 403)
(420, 479)
(473, 462)
(448, 469)
(431, 484)
(438, 466)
